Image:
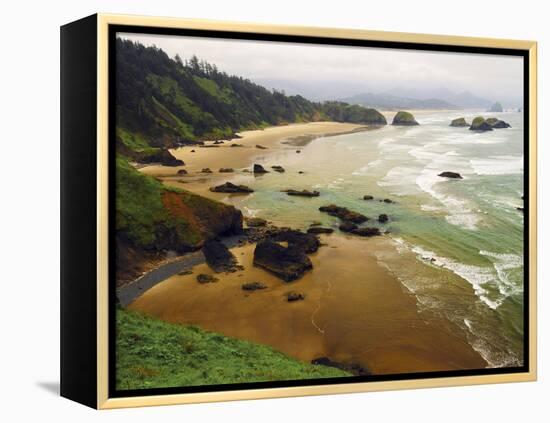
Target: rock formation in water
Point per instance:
(496, 108)
(452, 175)
(480, 124)
(459, 122)
(404, 119)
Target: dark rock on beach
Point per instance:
(452, 175)
(277, 168)
(319, 230)
(383, 218)
(258, 169)
(203, 278)
(253, 286)
(344, 214)
(228, 187)
(404, 119)
(353, 368)
(162, 156)
(206, 170)
(368, 197)
(261, 147)
(182, 172)
(236, 145)
(388, 201)
(303, 193)
(218, 257)
(226, 170)
(295, 296)
(288, 263)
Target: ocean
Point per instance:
(447, 238)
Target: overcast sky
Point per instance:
(350, 70)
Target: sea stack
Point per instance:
(459, 122)
(480, 124)
(496, 108)
(404, 119)
(497, 123)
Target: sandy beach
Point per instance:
(354, 310)
(223, 155)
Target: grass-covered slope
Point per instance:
(167, 101)
(151, 218)
(155, 354)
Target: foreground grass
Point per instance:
(155, 354)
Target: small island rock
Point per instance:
(404, 119)
(452, 175)
(459, 122)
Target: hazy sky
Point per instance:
(350, 70)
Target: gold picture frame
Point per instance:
(100, 25)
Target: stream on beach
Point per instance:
(441, 290)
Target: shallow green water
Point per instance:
(456, 244)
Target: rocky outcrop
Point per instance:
(158, 155)
(308, 243)
(197, 220)
(404, 119)
(496, 108)
(182, 172)
(347, 227)
(344, 214)
(479, 124)
(261, 147)
(279, 169)
(206, 170)
(288, 263)
(459, 122)
(219, 258)
(319, 230)
(452, 175)
(259, 169)
(368, 197)
(226, 170)
(231, 188)
(303, 193)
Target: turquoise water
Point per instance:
(457, 245)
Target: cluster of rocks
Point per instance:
(351, 221)
(288, 262)
(480, 124)
(369, 197)
(219, 258)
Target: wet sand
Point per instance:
(354, 311)
(239, 158)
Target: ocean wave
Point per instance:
(498, 165)
(481, 278)
(364, 170)
(459, 213)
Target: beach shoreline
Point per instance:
(419, 342)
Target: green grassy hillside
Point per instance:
(155, 354)
(167, 101)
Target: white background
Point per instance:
(29, 236)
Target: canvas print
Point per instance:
(288, 211)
